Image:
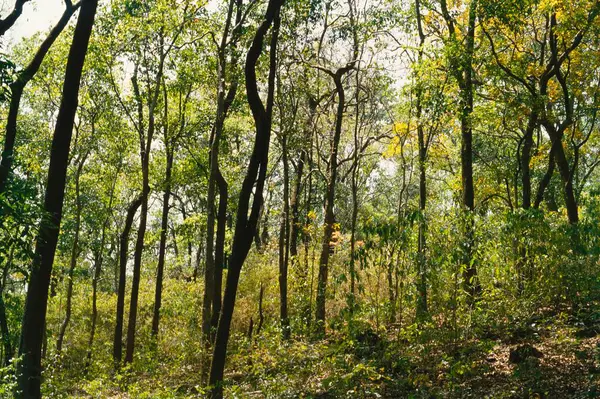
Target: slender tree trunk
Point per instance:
(137, 266)
(145, 148)
(332, 171)
(34, 319)
(245, 227)
(545, 180)
(565, 172)
(422, 308)
(284, 235)
(98, 260)
(73, 262)
(261, 316)
(6, 345)
(471, 284)
(213, 272)
(523, 261)
(294, 208)
(123, 249)
(162, 249)
(462, 68)
(219, 251)
(296, 226)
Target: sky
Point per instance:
(38, 15)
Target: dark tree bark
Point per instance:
(219, 251)
(162, 249)
(123, 249)
(9, 21)
(253, 183)
(261, 315)
(284, 237)
(213, 270)
(332, 172)
(34, 319)
(145, 148)
(545, 180)
(170, 143)
(462, 69)
(17, 88)
(295, 223)
(422, 308)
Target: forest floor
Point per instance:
(556, 355)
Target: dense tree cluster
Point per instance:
(180, 180)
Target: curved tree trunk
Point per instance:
(245, 227)
(332, 171)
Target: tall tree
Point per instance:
(332, 175)
(34, 319)
(171, 136)
(253, 185)
(75, 251)
(225, 96)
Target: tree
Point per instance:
(245, 227)
(30, 348)
(329, 217)
(460, 57)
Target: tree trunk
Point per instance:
(145, 148)
(123, 249)
(284, 236)
(220, 259)
(245, 227)
(137, 264)
(328, 228)
(98, 260)
(294, 208)
(213, 272)
(295, 226)
(564, 170)
(461, 61)
(163, 242)
(471, 284)
(422, 308)
(73, 262)
(34, 319)
(523, 262)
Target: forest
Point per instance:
(300, 199)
